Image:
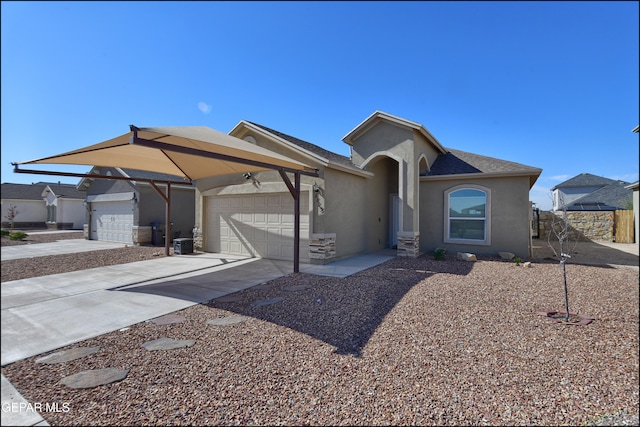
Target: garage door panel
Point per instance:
(112, 221)
(256, 225)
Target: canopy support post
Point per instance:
(294, 189)
(167, 214)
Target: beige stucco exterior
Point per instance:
(384, 198)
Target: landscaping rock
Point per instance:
(294, 288)
(262, 302)
(228, 298)
(506, 255)
(168, 319)
(464, 256)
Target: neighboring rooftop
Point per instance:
(610, 197)
(585, 180)
(34, 191)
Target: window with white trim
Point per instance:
(468, 213)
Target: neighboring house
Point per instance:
(636, 208)
(400, 188)
(591, 193)
(44, 205)
(133, 212)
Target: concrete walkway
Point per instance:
(45, 313)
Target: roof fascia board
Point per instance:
(308, 154)
(533, 177)
(379, 116)
(352, 170)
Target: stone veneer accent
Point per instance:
(85, 231)
(141, 234)
(198, 239)
(408, 244)
(322, 246)
(592, 225)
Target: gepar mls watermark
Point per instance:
(28, 407)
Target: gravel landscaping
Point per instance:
(409, 342)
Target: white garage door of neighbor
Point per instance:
(112, 221)
(257, 225)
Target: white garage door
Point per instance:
(112, 221)
(257, 225)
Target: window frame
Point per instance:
(487, 216)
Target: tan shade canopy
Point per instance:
(191, 152)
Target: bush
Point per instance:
(18, 235)
(5, 233)
(438, 253)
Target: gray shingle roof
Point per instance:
(459, 162)
(609, 197)
(329, 155)
(34, 191)
(585, 180)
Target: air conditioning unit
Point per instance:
(182, 246)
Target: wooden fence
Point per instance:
(623, 226)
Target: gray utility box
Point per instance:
(182, 246)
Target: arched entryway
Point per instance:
(384, 202)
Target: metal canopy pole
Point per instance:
(294, 189)
(167, 213)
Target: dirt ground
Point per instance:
(592, 253)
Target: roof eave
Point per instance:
(237, 129)
(533, 176)
(350, 169)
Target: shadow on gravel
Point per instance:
(341, 312)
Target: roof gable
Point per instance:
(67, 191)
(379, 116)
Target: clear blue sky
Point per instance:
(552, 85)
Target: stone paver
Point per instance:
(94, 378)
(68, 355)
(223, 321)
(167, 344)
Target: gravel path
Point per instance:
(410, 342)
